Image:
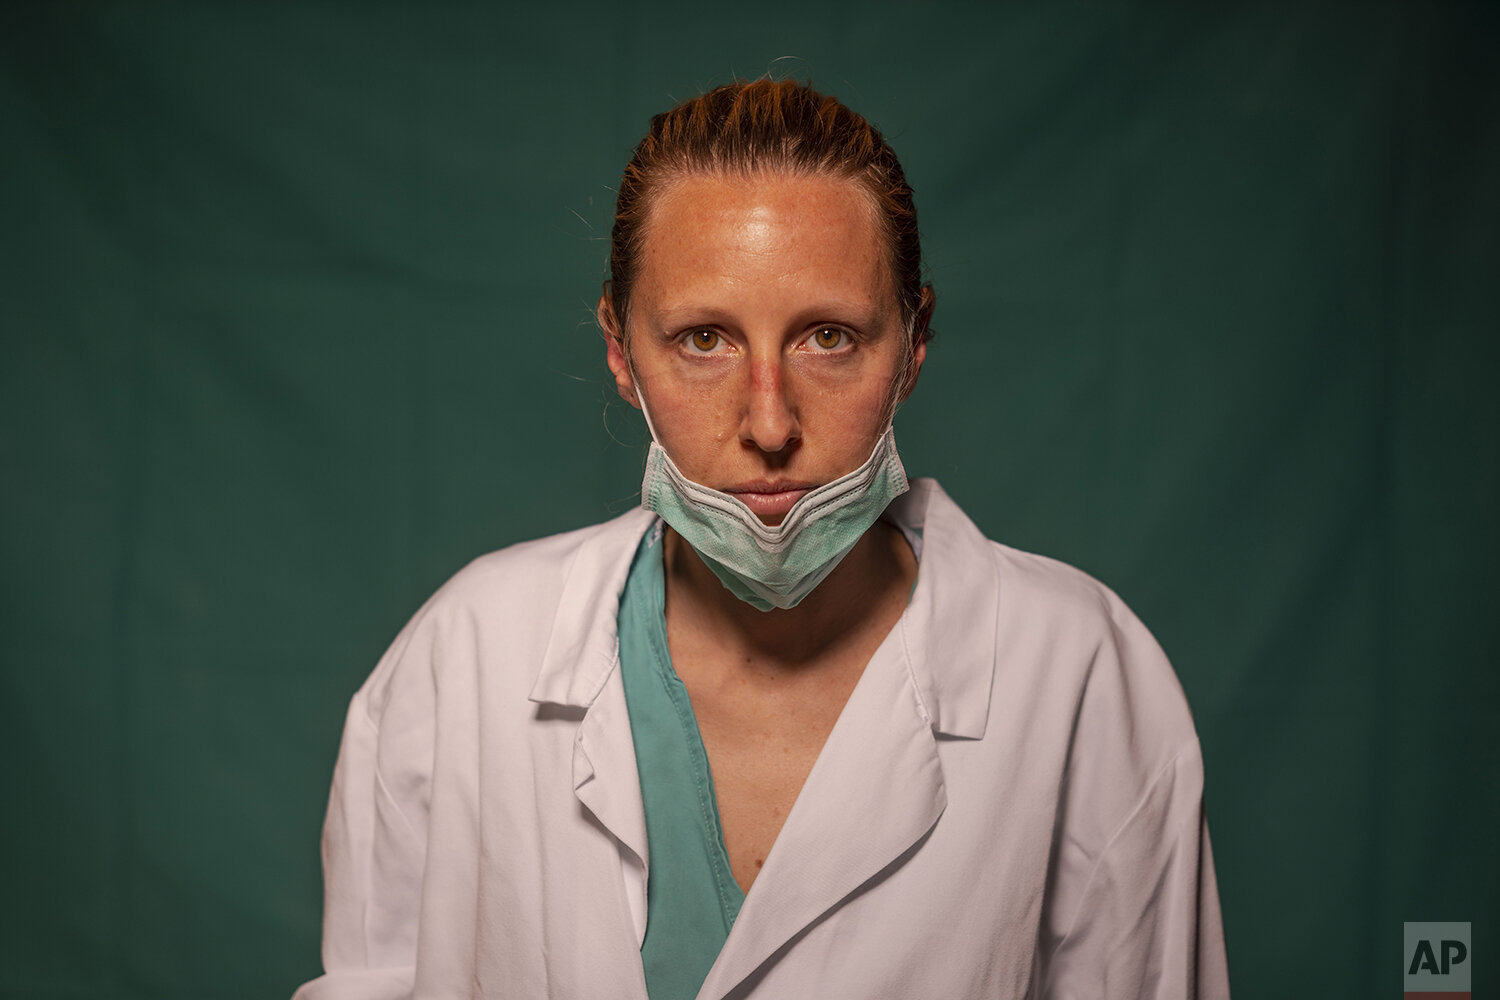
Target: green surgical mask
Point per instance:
(774, 566)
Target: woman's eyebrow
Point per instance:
(859, 312)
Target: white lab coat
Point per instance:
(1009, 805)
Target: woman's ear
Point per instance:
(921, 332)
(614, 351)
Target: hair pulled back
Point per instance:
(767, 126)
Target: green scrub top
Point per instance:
(692, 898)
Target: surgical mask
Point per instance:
(774, 566)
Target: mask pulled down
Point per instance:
(774, 566)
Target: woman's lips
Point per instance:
(770, 501)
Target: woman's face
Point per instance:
(765, 333)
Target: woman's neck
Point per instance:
(867, 590)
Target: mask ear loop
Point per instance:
(903, 378)
(640, 397)
(635, 381)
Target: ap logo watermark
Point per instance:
(1437, 961)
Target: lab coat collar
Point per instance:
(584, 644)
(948, 631)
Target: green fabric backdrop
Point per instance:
(296, 312)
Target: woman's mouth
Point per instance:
(769, 501)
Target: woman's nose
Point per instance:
(770, 419)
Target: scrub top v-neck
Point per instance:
(692, 898)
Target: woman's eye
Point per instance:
(829, 338)
(704, 340)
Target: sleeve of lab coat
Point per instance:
(1133, 908)
(374, 840)
(1147, 924)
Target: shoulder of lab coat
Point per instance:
(1131, 906)
(375, 857)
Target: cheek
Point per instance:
(860, 389)
(690, 393)
(692, 412)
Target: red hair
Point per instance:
(768, 125)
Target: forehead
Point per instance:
(794, 233)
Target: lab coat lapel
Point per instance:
(604, 770)
(875, 791)
(580, 670)
(877, 788)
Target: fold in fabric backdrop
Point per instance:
(297, 320)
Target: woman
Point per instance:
(795, 728)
